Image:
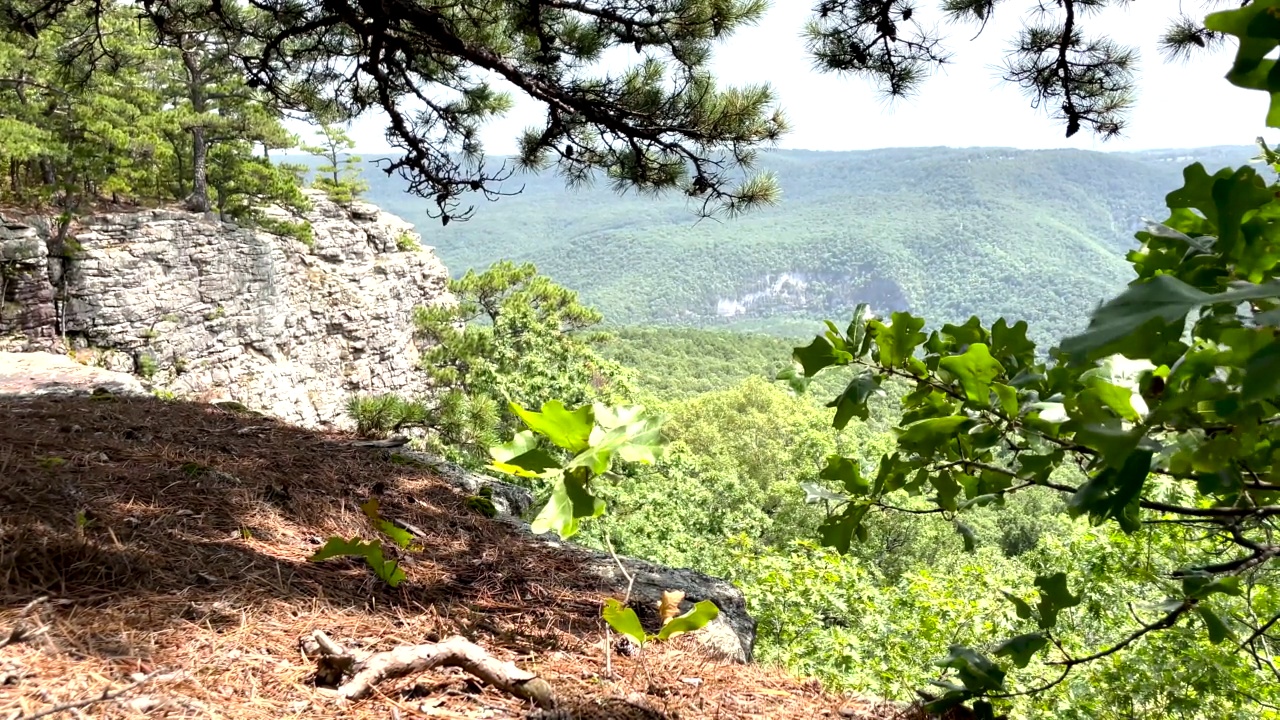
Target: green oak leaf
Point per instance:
(1021, 606)
(623, 620)
(859, 338)
(1007, 397)
(1038, 468)
(975, 370)
(1218, 630)
(896, 341)
(521, 456)
(1156, 303)
(338, 547)
(1020, 649)
(926, 436)
(1112, 440)
(1224, 198)
(401, 537)
(638, 441)
(978, 673)
(948, 490)
(1114, 493)
(398, 535)
(702, 613)
(853, 401)
(1258, 31)
(1119, 399)
(847, 472)
(819, 355)
(839, 530)
(926, 402)
(1201, 585)
(388, 571)
(1054, 598)
(570, 500)
(967, 534)
(967, 334)
(1009, 345)
(570, 429)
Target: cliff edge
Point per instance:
(213, 311)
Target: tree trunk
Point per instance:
(198, 200)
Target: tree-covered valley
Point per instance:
(946, 233)
(985, 433)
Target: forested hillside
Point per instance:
(942, 232)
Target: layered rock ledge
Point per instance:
(214, 311)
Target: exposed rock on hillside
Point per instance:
(41, 373)
(214, 311)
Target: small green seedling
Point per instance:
(625, 622)
(389, 571)
(51, 462)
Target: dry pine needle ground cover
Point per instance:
(171, 542)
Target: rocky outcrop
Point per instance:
(27, 312)
(731, 636)
(213, 311)
(39, 373)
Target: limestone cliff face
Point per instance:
(213, 311)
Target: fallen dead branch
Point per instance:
(107, 695)
(20, 631)
(361, 676)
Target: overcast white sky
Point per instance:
(1180, 104)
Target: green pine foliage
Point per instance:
(517, 336)
(97, 108)
(338, 175)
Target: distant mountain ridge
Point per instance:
(943, 232)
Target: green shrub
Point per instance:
(379, 414)
(406, 242)
(147, 365)
(299, 230)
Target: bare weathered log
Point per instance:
(455, 651)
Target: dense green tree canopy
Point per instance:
(97, 106)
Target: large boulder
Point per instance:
(41, 373)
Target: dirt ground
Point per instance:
(169, 542)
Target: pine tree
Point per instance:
(77, 110)
(216, 105)
(339, 176)
(94, 108)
